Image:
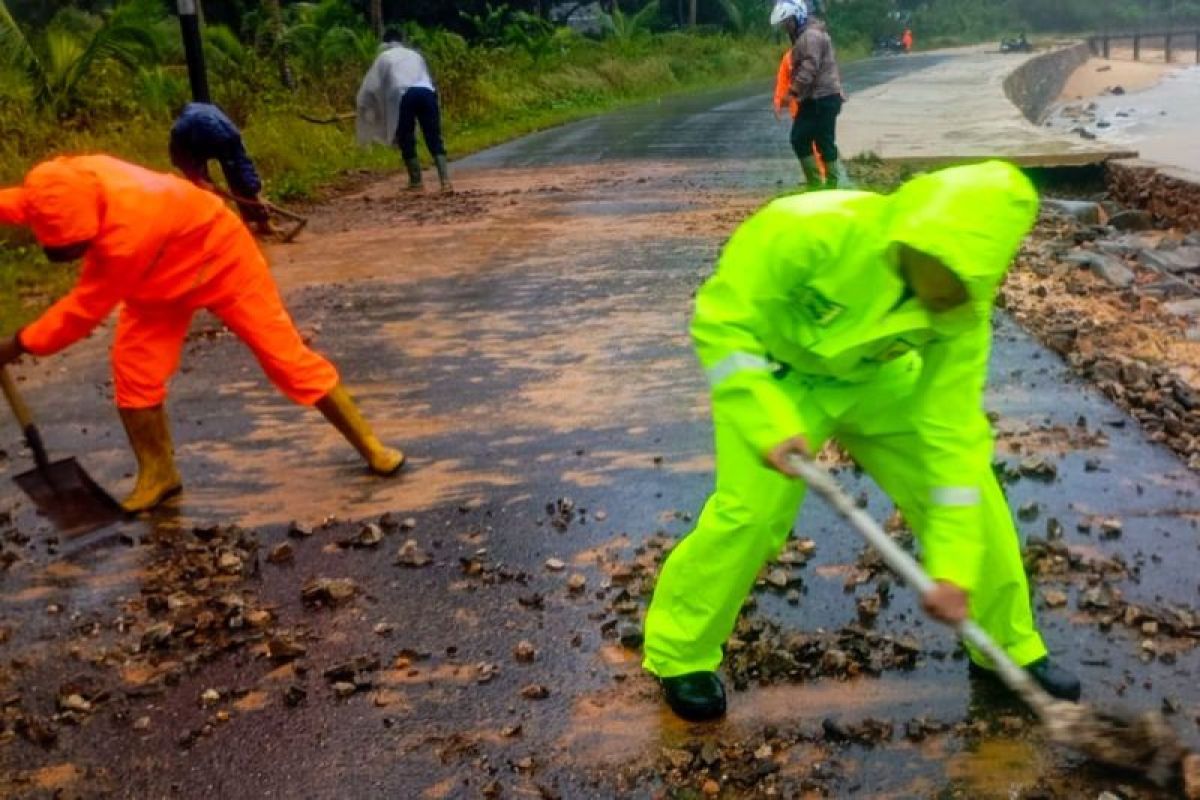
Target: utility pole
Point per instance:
(692, 14)
(377, 18)
(193, 48)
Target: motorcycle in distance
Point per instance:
(888, 46)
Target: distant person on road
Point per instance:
(784, 15)
(817, 86)
(160, 249)
(907, 40)
(396, 95)
(203, 133)
(864, 319)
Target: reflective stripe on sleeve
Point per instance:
(735, 363)
(955, 496)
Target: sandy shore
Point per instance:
(1099, 75)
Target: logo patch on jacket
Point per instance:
(817, 307)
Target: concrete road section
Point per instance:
(294, 628)
(957, 110)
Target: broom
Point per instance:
(1144, 744)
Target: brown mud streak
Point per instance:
(506, 226)
(632, 725)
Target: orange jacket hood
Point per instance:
(63, 203)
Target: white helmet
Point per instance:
(789, 8)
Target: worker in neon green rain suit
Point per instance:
(866, 319)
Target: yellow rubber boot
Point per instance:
(340, 409)
(150, 437)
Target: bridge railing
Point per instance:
(1173, 42)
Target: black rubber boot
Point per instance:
(1057, 681)
(696, 697)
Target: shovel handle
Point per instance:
(33, 436)
(15, 401)
(904, 565)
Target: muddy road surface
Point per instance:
(291, 627)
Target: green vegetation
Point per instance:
(111, 82)
(108, 75)
(966, 20)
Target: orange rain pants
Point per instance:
(165, 249)
(783, 82)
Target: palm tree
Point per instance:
(328, 34)
(59, 61)
(278, 43)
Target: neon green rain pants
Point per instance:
(748, 519)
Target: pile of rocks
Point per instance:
(1120, 302)
(1169, 196)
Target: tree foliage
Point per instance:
(69, 58)
(58, 60)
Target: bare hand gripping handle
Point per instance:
(904, 565)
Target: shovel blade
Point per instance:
(66, 495)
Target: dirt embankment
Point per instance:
(1172, 196)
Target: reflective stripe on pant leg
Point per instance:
(1000, 598)
(250, 305)
(145, 353)
(707, 577)
(1001, 601)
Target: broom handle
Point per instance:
(33, 437)
(904, 565)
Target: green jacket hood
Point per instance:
(971, 218)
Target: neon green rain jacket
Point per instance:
(810, 285)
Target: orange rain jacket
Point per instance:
(165, 249)
(783, 83)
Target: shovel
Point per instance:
(62, 491)
(1144, 744)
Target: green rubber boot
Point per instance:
(443, 171)
(414, 173)
(812, 173)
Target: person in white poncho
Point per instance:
(396, 95)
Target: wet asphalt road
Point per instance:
(528, 345)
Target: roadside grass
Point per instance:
(516, 94)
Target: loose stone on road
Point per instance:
(293, 627)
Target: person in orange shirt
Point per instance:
(907, 40)
(162, 249)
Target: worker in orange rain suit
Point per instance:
(865, 319)
(907, 40)
(164, 249)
